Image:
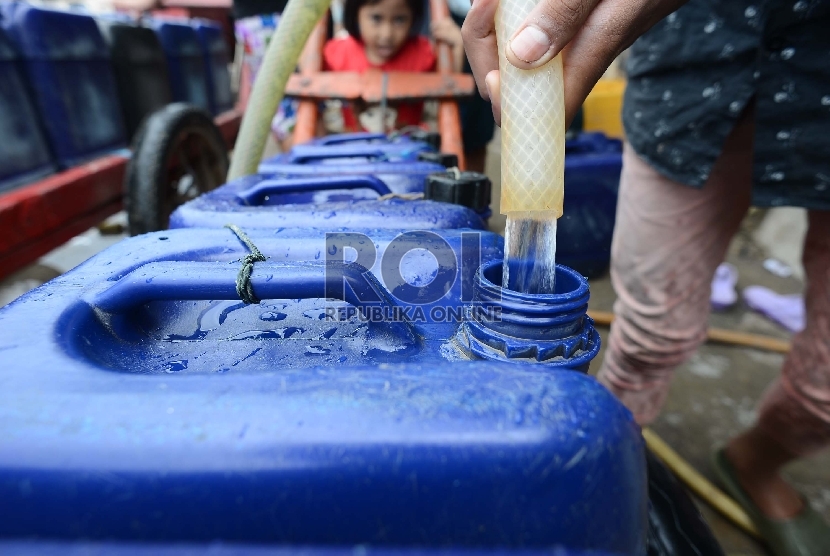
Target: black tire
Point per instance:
(675, 526)
(178, 154)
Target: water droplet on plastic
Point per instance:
(272, 316)
(176, 366)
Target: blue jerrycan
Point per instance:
(360, 201)
(593, 163)
(345, 153)
(401, 140)
(144, 401)
(57, 548)
(217, 61)
(185, 60)
(400, 177)
(367, 158)
(69, 70)
(367, 137)
(24, 154)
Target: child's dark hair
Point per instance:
(351, 8)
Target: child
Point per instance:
(380, 37)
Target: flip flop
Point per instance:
(806, 534)
(785, 310)
(724, 294)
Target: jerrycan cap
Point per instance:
(469, 189)
(431, 138)
(447, 160)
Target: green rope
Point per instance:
(244, 288)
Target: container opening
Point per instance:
(566, 280)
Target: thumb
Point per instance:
(546, 30)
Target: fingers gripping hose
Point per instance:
(295, 26)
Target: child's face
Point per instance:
(384, 28)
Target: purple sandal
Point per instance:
(785, 310)
(724, 294)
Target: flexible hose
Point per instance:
(295, 26)
(532, 160)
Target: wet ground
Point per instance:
(713, 396)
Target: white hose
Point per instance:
(287, 43)
(532, 160)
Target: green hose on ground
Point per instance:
(295, 26)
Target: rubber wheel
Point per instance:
(178, 154)
(675, 526)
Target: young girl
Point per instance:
(381, 37)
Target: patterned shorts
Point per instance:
(254, 33)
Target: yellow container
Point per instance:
(603, 108)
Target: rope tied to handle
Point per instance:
(404, 196)
(244, 288)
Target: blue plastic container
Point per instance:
(68, 67)
(217, 61)
(330, 157)
(399, 177)
(363, 138)
(24, 154)
(143, 401)
(593, 163)
(356, 138)
(47, 548)
(185, 61)
(348, 201)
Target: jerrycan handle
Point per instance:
(344, 138)
(304, 154)
(177, 280)
(256, 194)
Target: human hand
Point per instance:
(136, 5)
(588, 33)
(445, 30)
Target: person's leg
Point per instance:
(668, 241)
(476, 159)
(794, 415)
